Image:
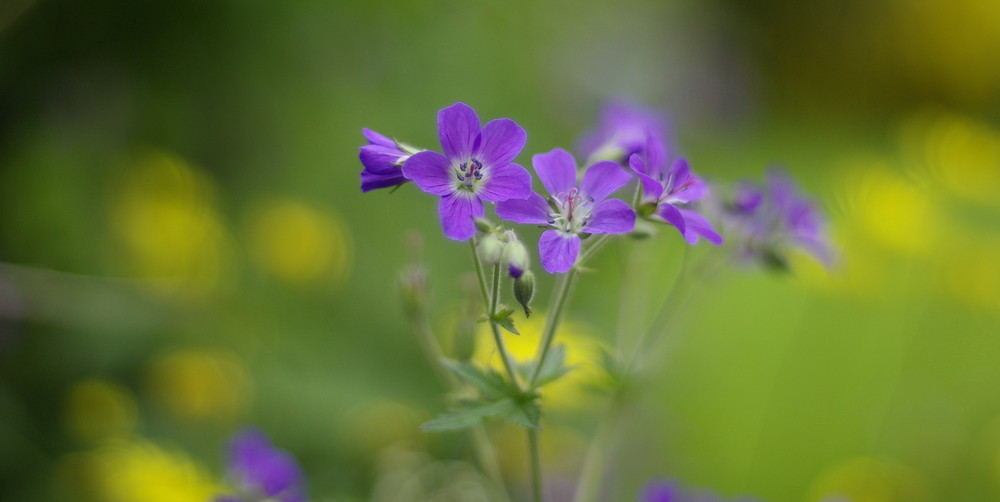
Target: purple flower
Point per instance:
(768, 219)
(621, 132)
(669, 491)
(476, 166)
(261, 471)
(382, 158)
(570, 209)
(668, 192)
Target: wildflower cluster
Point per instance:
(576, 206)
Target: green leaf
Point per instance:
(526, 414)
(505, 321)
(553, 367)
(473, 414)
(489, 383)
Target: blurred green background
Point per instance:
(184, 248)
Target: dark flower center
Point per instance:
(470, 171)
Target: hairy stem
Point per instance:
(491, 300)
(536, 465)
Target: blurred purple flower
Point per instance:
(770, 218)
(669, 491)
(476, 166)
(621, 132)
(667, 192)
(383, 159)
(261, 471)
(570, 209)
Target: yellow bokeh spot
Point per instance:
(198, 385)
(97, 410)
(895, 211)
(298, 243)
(865, 479)
(960, 155)
(165, 217)
(135, 471)
(582, 353)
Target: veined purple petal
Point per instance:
(603, 178)
(509, 181)
(696, 225)
(530, 211)
(672, 216)
(457, 211)
(556, 169)
(373, 181)
(380, 159)
(458, 128)
(611, 216)
(500, 142)
(375, 138)
(431, 171)
(684, 185)
(558, 251)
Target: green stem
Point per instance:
(593, 464)
(491, 301)
(552, 322)
(536, 465)
(593, 248)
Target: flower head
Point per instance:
(669, 192)
(570, 209)
(261, 471)
(382, 158)
(621, 132)
(476, 166)
(772, 217)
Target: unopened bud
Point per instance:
(491, 249)
(524, 291)
(516, 256)
(483, 225)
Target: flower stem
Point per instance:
(552, 322)
(536, 465)
(491, 301)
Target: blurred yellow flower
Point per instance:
(865, 479)
(165, 217)
(298, 243)
(374, 426)
(96, 410)
(199, 385)
(582, 353)
(135, 471)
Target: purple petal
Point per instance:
(262, 467)
(637, 164)
(458, 128)
(531, 211)
(457, 211)
(696, 225)
(652, 190)
(656, 154)
(611, 216)
(380, 159)
(684, 185)
(672, 216)
(500, 142)
(603, 178)
(556, 169)
(509, 181)
(660, 491)
(375, 138)
(372, 181)
(431, 171)
(558, 251)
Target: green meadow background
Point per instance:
(184, 248)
